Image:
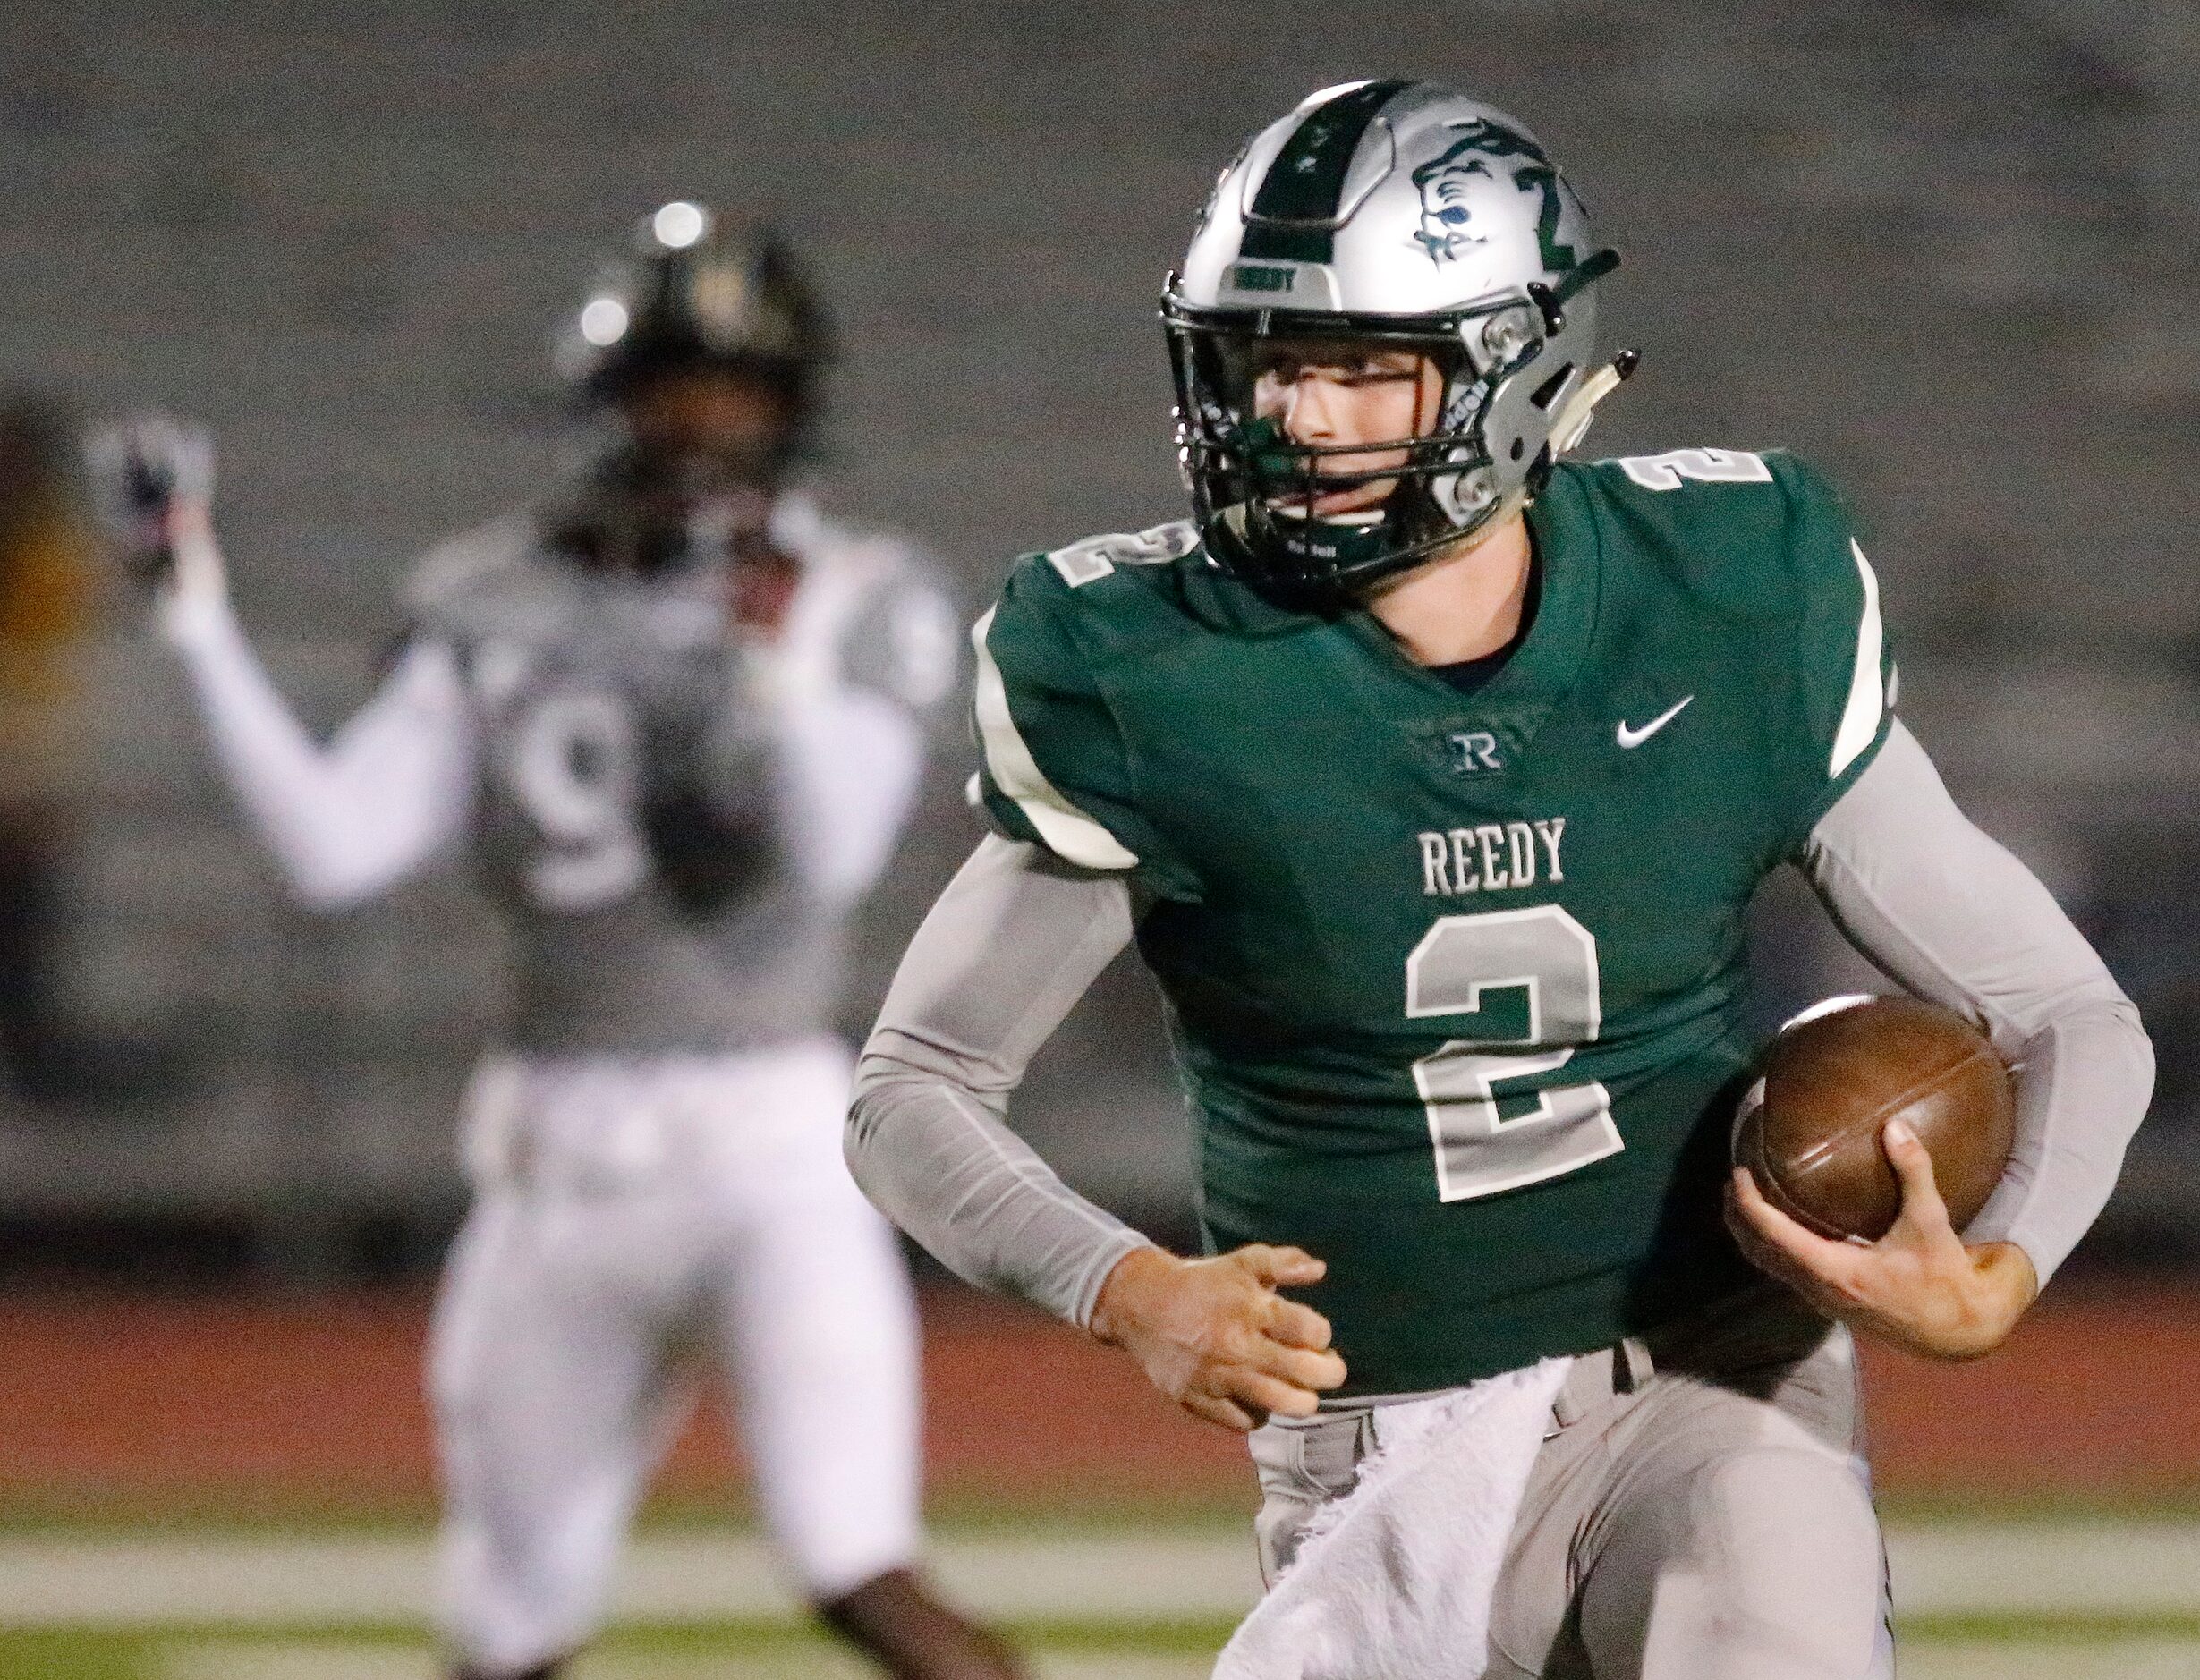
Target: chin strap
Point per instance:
(1572, 424)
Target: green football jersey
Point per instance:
(1455, 980)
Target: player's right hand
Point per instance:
(152, 479)
(1215, 1337)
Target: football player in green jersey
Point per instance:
(1433, 773)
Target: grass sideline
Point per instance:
(192, 1637)
(792, 1648)
(771, 1647)
(111, 1510)
(108, 1511)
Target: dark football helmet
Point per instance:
(692, 297)
(692, 293)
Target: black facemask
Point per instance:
(652, 510)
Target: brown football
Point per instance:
(1809, 1130)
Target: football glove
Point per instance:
(152, 481)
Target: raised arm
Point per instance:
(1953, 917)
(348, 821)
(1012, 944)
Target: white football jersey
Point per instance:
(674, 815)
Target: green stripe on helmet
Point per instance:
(1292, 215)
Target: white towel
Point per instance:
(1394, 1580)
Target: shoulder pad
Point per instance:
(1676, 468)
(1739, 528)
(807, 533)
(464, 567)
(900, 634)
(1095, 557)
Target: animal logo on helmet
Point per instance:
(1448, 195)
(1446, 184)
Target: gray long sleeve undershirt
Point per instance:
(1017, 938)
(1010, 946)
(1948, 914)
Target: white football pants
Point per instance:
(630, 1215)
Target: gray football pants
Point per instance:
(1700, 1511)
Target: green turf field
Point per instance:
(2044, 1596)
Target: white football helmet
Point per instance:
(1404, 215)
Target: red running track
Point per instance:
(256, 1402)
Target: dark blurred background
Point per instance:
(1949, 250)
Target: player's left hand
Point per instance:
(1918, 1287)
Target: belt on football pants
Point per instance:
(1598, 1377)
(1331, 1444)
(1760, 1322)
(1755, 1325)
(1620, 1369)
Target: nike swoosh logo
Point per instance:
(1636, 737)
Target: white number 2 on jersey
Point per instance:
(1543, 950)
(574, 764)
(1705, 466)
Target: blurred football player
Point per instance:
(674, 717)
(1432, 772)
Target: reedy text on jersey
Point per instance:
(1491, 857)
